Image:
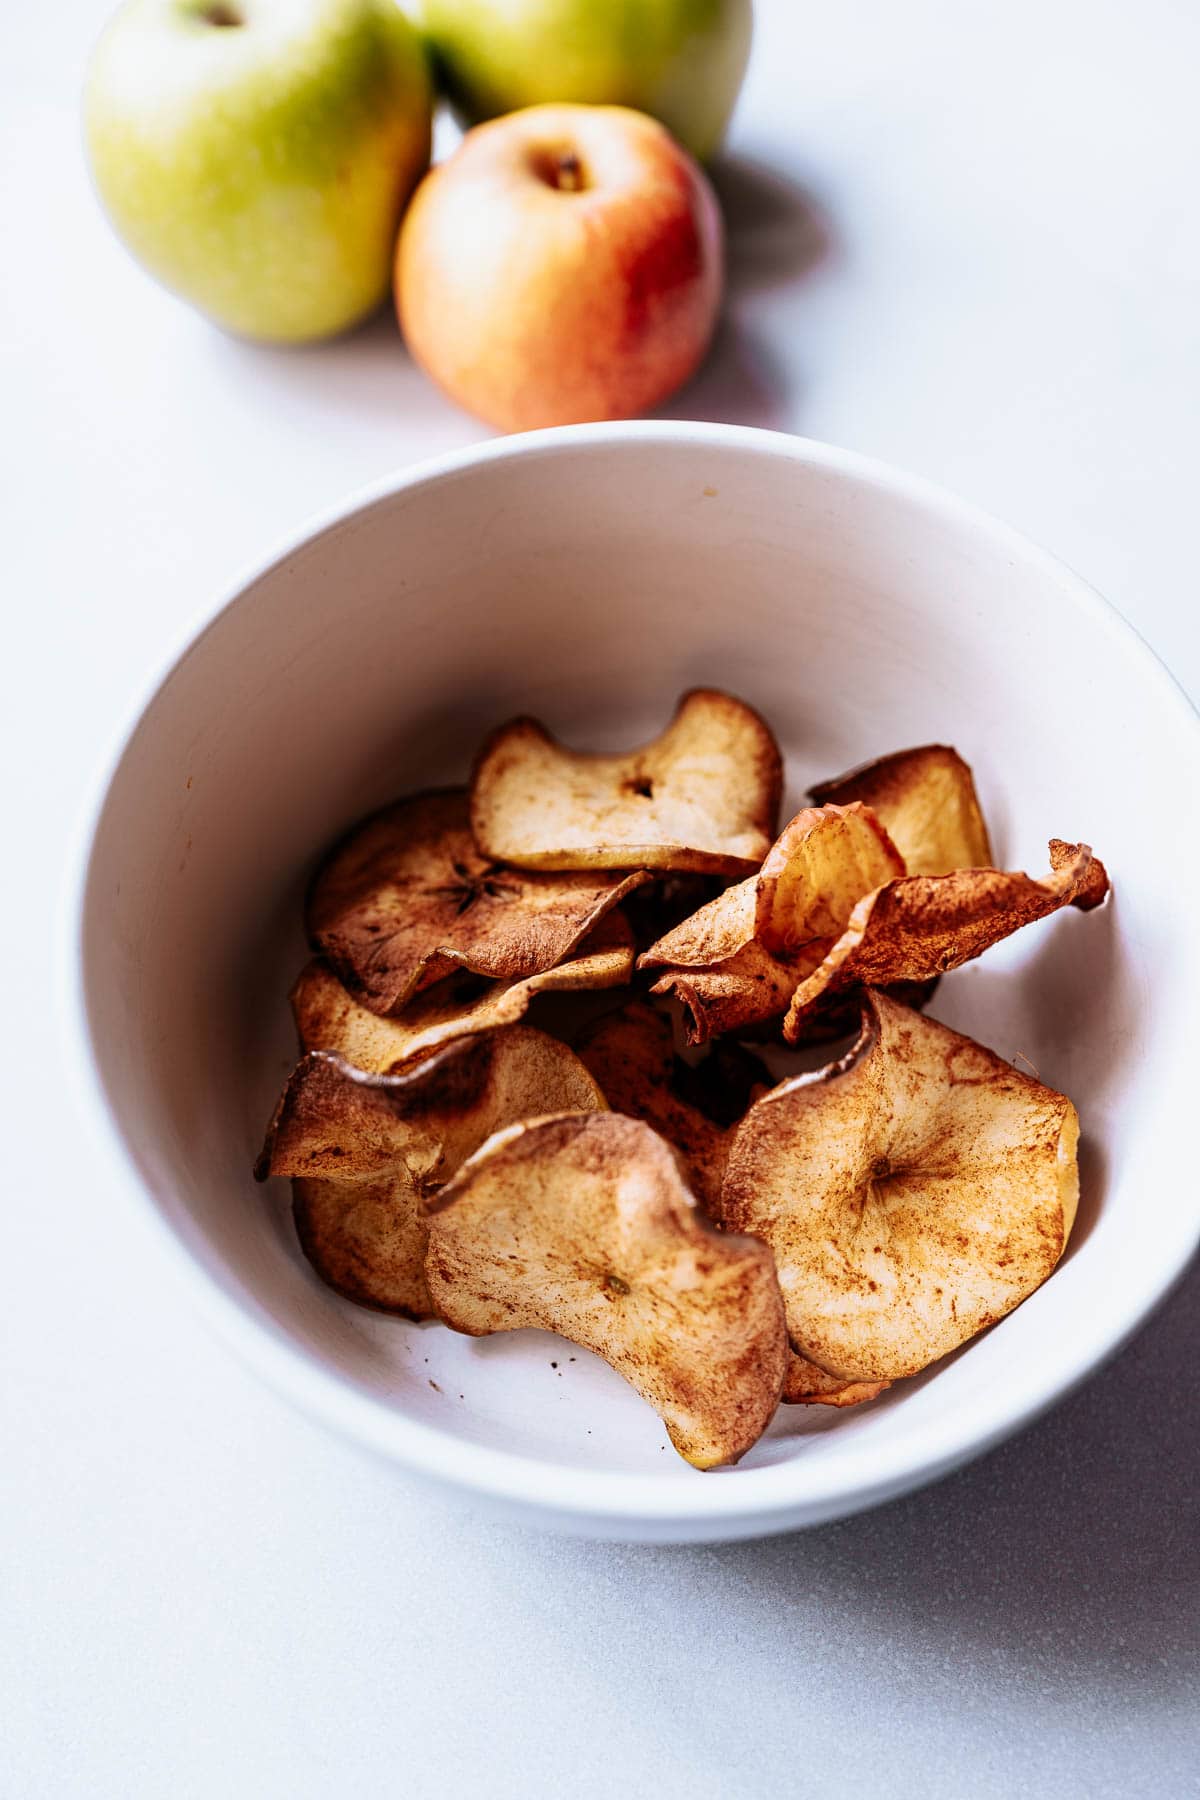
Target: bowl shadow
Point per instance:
(1068, 1556)
(1077, 1543)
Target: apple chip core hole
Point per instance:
(221, 15)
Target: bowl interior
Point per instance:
(588, 578)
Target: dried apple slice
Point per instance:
(327, 1018)
(666, 902)
(407, 899)
(703, 796)
(824, 861)
(926, 801)
(924, 925)
(742, 994)
(364, 1151)
(631, 1053)
(582, 1224)
(913, 1193)
(366, 1240)
(712, 934)
(806, 1385)
(738, 961)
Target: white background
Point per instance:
(971, 245)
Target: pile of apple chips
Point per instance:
(724, 1239)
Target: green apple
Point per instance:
(256, 155)
(680, 60)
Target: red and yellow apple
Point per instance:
(563, 265)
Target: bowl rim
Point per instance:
(751, 1501)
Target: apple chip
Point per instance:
(824, 861)
(806, 1385)
(741, 994)
(407, 899)
(366, 1240)
(926, 801)
(582, 1224)
(749, 994)
(328, 1018)
(913, 1193)
(364, 1151)
(631, 1053)
(666, 901)
(739, 960)
(703, 796)
(923, 925)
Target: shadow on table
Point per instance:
(739, 383)
(776, 234)
(366, 374)
(1073, 1549)
(776, 231)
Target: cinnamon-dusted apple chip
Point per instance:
(365, 1150)
(824, 861)
(666, 902)
(806, 1385)
(738, 961)
(924, 925)
(582, 1224)
(328, 1018)
(740, 994)
(366, 1240)
(407, 899)
(926, 801)
(631, 1053)
(913, 1193)
(703, 796)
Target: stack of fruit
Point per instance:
(267, 160)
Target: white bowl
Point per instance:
(588, 576)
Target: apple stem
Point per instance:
(568, 172)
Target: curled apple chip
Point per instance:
(711, 935)
(806, 1385)
(459, 1006)
(913, 1193)
(703, 796)
(750, 993)
(582, 1224)
(823, 862)
(364, 1151)
(738, 961)
(407, 898)
(631, 1054)
(366, 1240)
(741, 994)
(926, 801)
(923, 925)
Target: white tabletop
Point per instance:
(969, 241)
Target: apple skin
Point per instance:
(537, 304)
(682, 61)
(260, 169)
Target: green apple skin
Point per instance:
(256, 155)
(682, 61)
